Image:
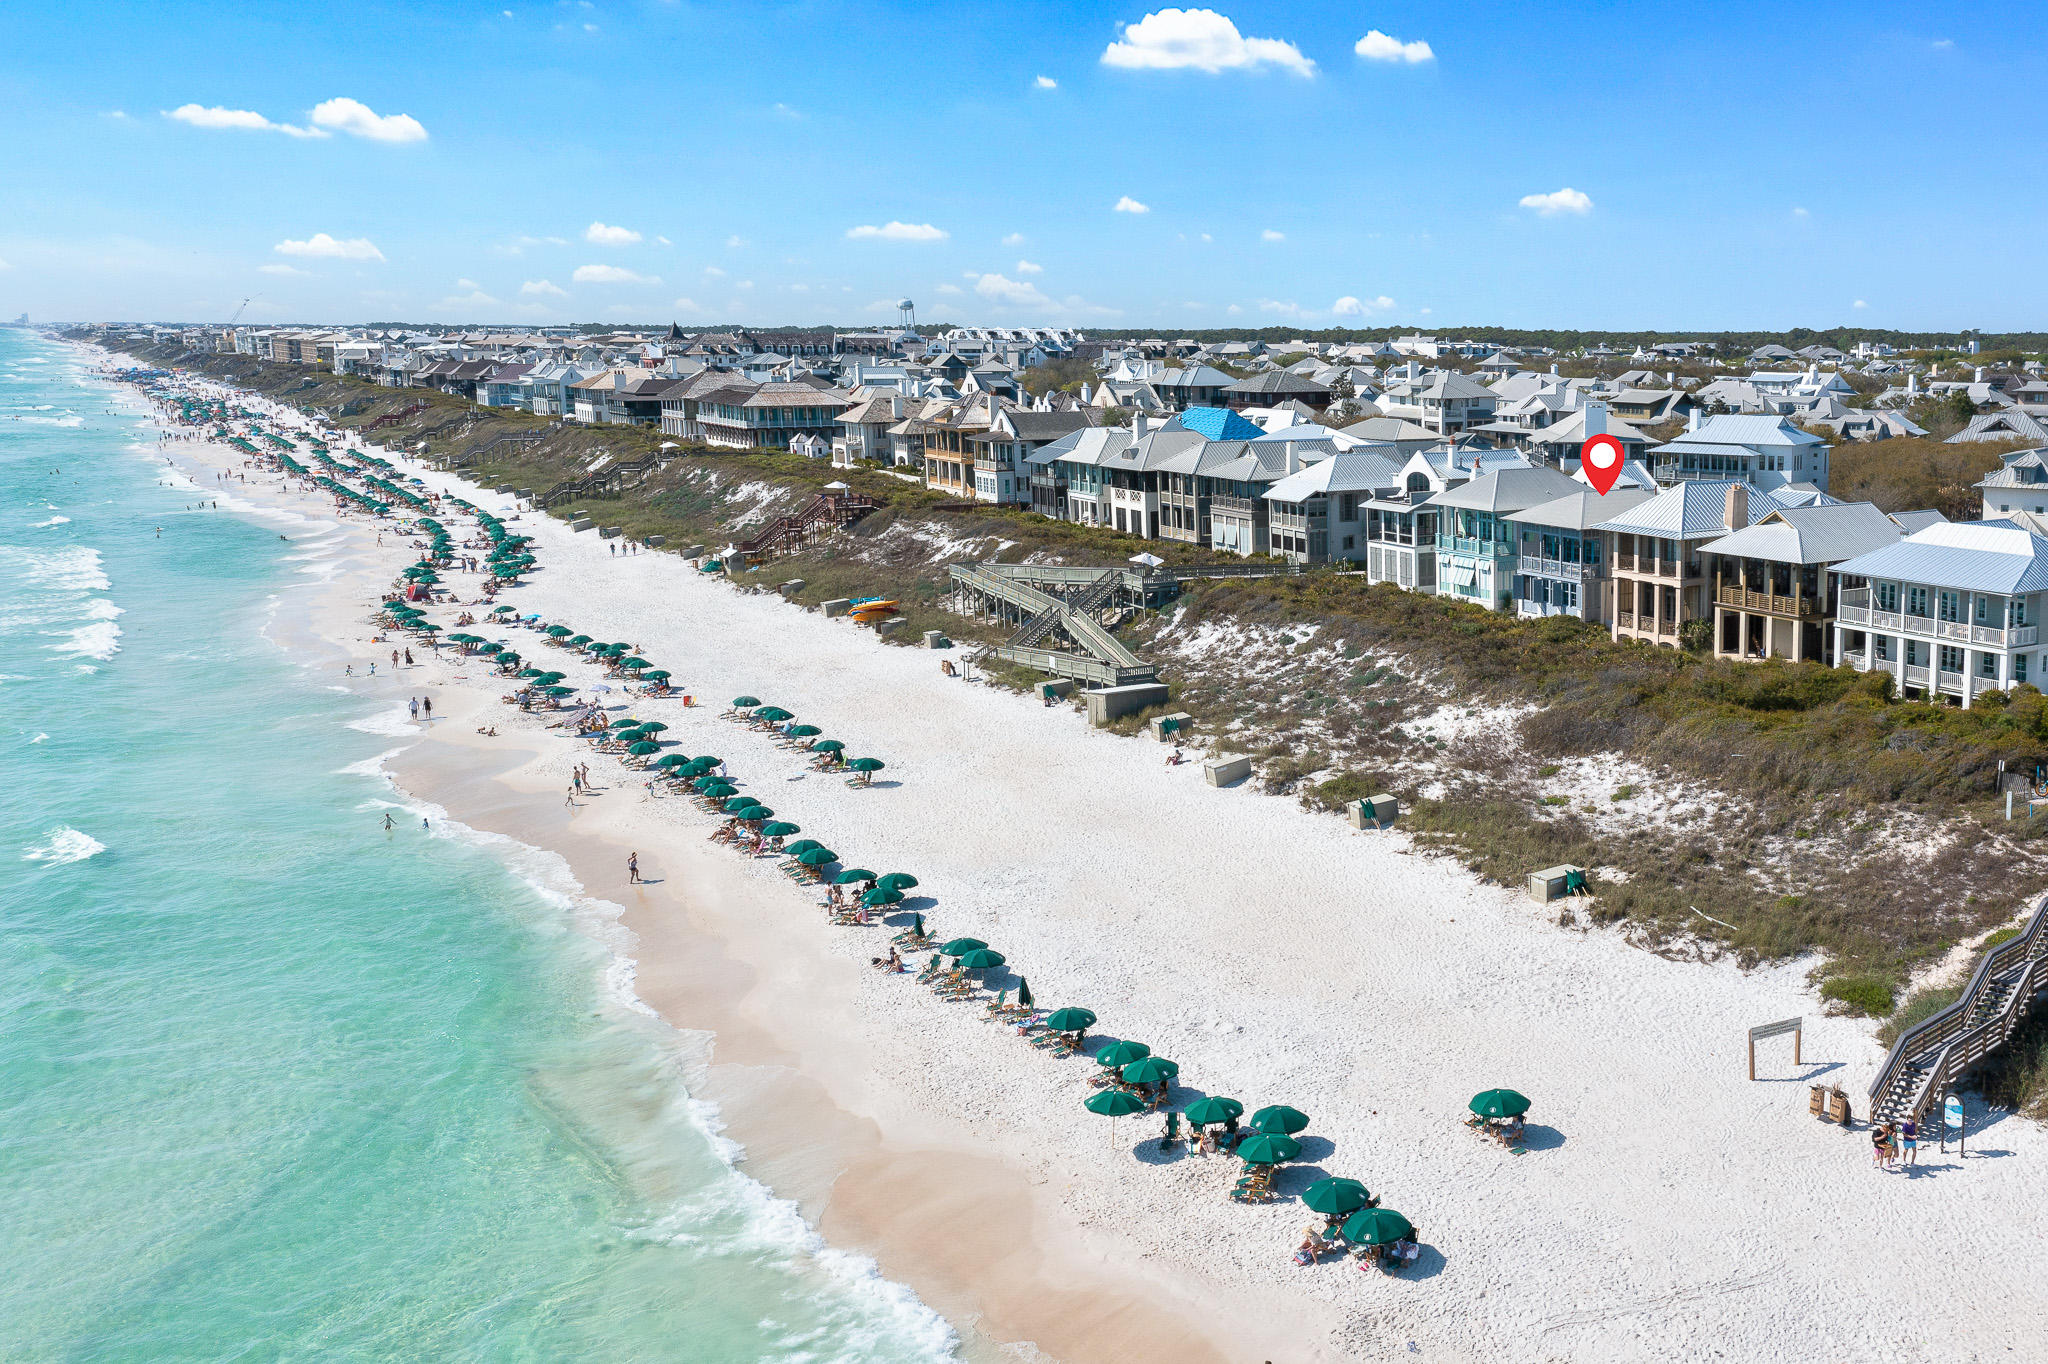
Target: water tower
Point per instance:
(906, 315)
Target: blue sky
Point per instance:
(1386, 164)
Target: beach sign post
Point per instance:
(1778, 1029)
(1952, 1123)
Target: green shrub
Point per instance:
(2003, 935)
(1860, 996)
(1557, 800)
(1623, 793)
(1921, 1004)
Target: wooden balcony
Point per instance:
(1796, 607)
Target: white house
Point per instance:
(1765, 452)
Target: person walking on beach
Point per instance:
(1909, 1139)
(415, 707)
(408, 658)
(633, 869)
(394, 660)
(427, 704)
(1881, 1145)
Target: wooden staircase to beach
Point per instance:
(393, 418)
(827, 512)
(1049, 600)
(1933, 1054)
(510, 444)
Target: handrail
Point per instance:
(843, 508)
(1112, 662)
(1942, 1046)
(392, 418)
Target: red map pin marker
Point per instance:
(1601, 458)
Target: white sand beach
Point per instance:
(1667, 1206)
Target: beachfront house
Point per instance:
(1764, 451)
(1654, 558)
(1443, 401)
(1475, 537)
(1318, 513)
(864, 429)
(1561, 560)
(1001, 472)
(1772, 593)
(2019, 484)
(1951, 611)
(744, 416)
(1067, 478)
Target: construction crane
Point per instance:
(245, 303)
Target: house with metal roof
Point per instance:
(1561, 561)
(1067, 478)
(1444, 401)
(1770, 588)
(1765, 451)
(1659, 577)
(1951, 611)
(2011, 424)
(1000, 473)
(1318, 514)
(1275, 387)
(2019, 484)
(1216, 423)
(1476, 539)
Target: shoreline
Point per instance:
(1006, 1268)
(1280, 960)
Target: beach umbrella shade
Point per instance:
(865, 765)
(781, 828)
(1023, 992)
(719, 790)
(804, 731)
(634, 664)
(1279, 1119)
(1268, 1148)
(745, 702)
(1213, 1109)
(1122, 1053)
(579, 640)
(625, 724)
(818, 857)
(736, 803)
(1377, 1227)
(558, 691)
(960, 947)
(802, 846)
(897, 880)
(1070, 1020)
(755, 814)
(653, 727)
(1499, 1103)
(852, 874)
(672, 760)
(1114, 1103)
(548, 678)
(877, 899)
(828, 746)
(1335, 1196)
(657, 674)
(707, 759)
(697, 767)
(980, 959)
(775, 713)
(529, 672)
(490, 646)
(559, 631)
(645, 747)
(1150, 1071)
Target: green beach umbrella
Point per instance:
(1121, 1054)
(1114, 1103)
(828, 746)
(1023, 992)
(1150, 1071)
(897, 880)
(802, 846)
(980, 959)
(1499, 1103)
(672, 760)
(745, 702)
(1268, 1148)
(625, 724)
(653, 727)
(736, 803)
(960, 947)
(755, 814)
(818, 857)
(490, 646)
(781, 828)
(634, 664)
(1070, 1020)
(558, 631)
(852, 874)
(558, 691)
(641, 750)
(1213, 1109)
(1335, 1197)
(719, 790)
(804, 731)
(1377, 1227)
(715, 762)
(865, 765)
(1279, 1119)
(657, 674)
(579, 640)
(774, 713)
(877, 898)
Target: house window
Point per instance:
(1916, 601)
(2019, 668)
(2019, 610)
(1987, 665)
(1887, 596)
(1951, 606)
(1881, 647)
(1951, 659)
(1565, 594)
(1983, 609)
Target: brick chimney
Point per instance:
(1735, 509)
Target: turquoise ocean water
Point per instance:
(273, 1083)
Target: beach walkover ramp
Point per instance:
(1933, 1054)
(1057, 605)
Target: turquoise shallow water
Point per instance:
(275, 1083)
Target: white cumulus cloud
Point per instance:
(1014, 239)
(1129, 205)
(280, 268)
(1269, 235)
(1376, 46)
(598, 234)
(1046, 83)
(893, 231)
(735, 242)
(1859, 303)
(610, 274)
(358, 119)
(542, 288)
(1350, 306)
(1025, 267)
(320, 245)
(1199, 40)
(1566, 200)
(1800, 213)
(203, 116)
(1019, 293)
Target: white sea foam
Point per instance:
(64, 844)
(53, 521)
(370, 767)
(396, 720)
